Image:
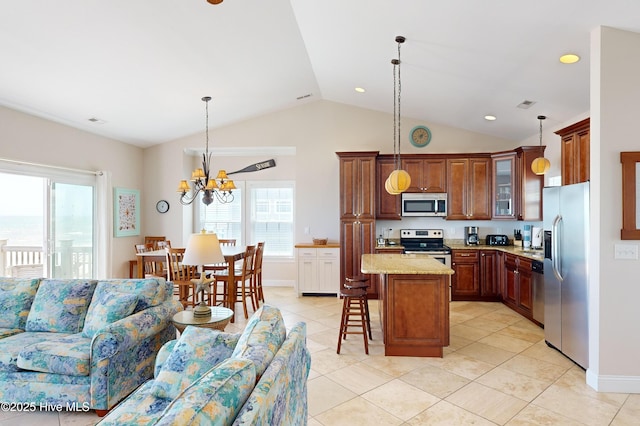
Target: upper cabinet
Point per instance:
(387, 205)
(469, 188)
(517, 191)
(427, 174)
(357, 185)
(575, 152)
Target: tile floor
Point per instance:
(497, 370)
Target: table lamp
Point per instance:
(202, 249)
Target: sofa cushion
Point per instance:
(60, 306)
(11, 346)
(16, 297)
(215, 398)
(150, 291)
(261, 338)
(196, 351)
(107, 306)
(67, 355)
(141, 408)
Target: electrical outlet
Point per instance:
(307, 231)
(625, 251)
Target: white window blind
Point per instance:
(271, 216)
(268, 209)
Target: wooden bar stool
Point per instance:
(361, 283)
(353, 315)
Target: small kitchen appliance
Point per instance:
(426, 241)
(536, 237)
(497, 240)
(471, 237)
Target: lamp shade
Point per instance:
(540, 165)
(399, 181)
(203, 249)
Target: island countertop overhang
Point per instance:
(396, 263)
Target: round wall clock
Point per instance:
(420, 136)
(162, 206)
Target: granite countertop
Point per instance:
(518, 250)
(535, 254)
(396, 263)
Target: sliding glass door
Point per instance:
(71, 239)
(47, 223)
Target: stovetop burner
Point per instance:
(423, 240)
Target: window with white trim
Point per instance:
(261, 211)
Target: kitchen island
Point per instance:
(414, 302)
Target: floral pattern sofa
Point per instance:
(80, 344)
(209, 377)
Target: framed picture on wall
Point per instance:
(126, 214)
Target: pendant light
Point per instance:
(540, 165)
(399, 180)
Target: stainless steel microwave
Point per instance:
(424, 204)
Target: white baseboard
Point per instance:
(618, 384)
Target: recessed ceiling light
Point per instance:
(360, 90)
(569, 58)
(490, 117)
(96, 120)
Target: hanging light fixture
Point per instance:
(221, 187)
(398, 180)
(540, 165)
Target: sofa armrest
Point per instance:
(163, 354)
(123, 353)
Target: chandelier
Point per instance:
(398, 180)
(221, 186)
(540, 165)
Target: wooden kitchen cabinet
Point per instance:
(357, 212)
(469, 188)
(465, 282)
(518, 286)
(427, 174)
(357, 185)
(574, 141)
(516, 190)
(489, 275)
(387, 205)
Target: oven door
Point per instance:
(440, 256)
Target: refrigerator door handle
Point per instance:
(555, 252)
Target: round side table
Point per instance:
(218, 320)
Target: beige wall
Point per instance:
(27, 138)
(614, 290)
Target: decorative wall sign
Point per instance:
(256, 167)
(126, 212)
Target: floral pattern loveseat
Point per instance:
(80, 344)
(209, 377)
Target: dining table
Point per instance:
(231, 254)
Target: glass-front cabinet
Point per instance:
(504, 189)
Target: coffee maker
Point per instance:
(471, 237)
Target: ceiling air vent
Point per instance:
(525, 104)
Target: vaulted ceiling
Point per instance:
(140, 67)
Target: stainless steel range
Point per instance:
(426, 241)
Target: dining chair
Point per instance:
(224, 265)
(256, 277)
(160, 267)
(181, 275)
(242, 284)
(154, 241)
(149, 267)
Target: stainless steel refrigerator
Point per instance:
(566, 281)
